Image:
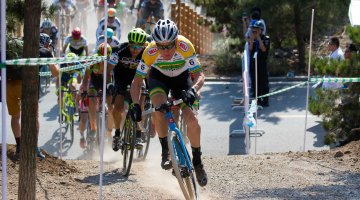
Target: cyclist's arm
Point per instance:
(86, 51)
(136, 84)
(135, 89)
(99, 30)
(54, 69)
(113, 61)
(199, 79)
(86, 78)
(66, 43)
(118, 29)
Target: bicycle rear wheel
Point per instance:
(184, 175)
(129, 133)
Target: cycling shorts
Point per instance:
(13, 96)
(78, 52)
(159, 83)
(123, 78)
(96, 82)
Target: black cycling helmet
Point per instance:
(44, 39)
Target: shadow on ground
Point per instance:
(110, 177)
(345, 186)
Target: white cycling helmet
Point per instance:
(46, 23)
(165, 30)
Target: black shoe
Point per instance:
(201, 175)
(165, 161)
(116, 144)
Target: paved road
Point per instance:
(283, 123)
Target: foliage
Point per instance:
(339, 108)
(288, 22)
(15, 10)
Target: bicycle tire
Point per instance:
(129, 133)
(183, 128)
(187, 184)
(71, 123)
(145, 138)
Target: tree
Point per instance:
(288, 22)
(339, 108)
(29, 103)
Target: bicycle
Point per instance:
(128, 139)
(44, 81)
(68, 111)
(179, 155)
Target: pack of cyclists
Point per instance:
(166, 63)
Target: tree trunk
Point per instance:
(29, 103)
(299, 37)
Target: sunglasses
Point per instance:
(165, 47)
(136, 47)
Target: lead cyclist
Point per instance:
(168, 60)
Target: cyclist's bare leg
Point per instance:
(193, 127)
(92, 110)
(159, 117)
(118, 110)
(82, 123)
(110, 109)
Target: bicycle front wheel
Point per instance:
(129, 133)
(145, 137)
(184, 175)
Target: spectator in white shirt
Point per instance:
(335, 50)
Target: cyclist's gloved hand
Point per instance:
(189, 96)
(135, 112)
(84, 94)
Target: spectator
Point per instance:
(336, 54)
(14, 85)
(255, 15)
(335, 50)
(259, 43)
(350, 49)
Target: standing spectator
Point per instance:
(335, 50)
(335, 54)
(14, 86)
(259, 43)
(255, 15)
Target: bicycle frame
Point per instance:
(172, 127)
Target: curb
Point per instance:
(271, 79)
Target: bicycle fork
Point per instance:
(179, 147)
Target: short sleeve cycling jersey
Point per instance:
(115, 26)
(68, 4)
(122, 57)
(115, 43)
(76, 44)
(156, 6)
(183, 59)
